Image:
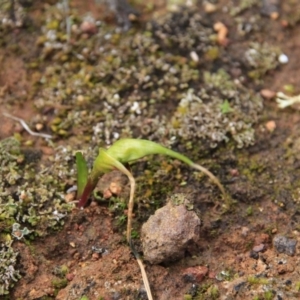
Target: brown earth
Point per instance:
(92, 248)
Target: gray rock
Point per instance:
(284, 245)
(168, 233)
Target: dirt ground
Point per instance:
(86, 255)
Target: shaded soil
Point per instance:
(89, 255)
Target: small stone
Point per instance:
(222, 31)
(95, 256)
(115, 188)
(253, 254)
(69, 197)
(70, 276)
(209, 7)
(270, 126)
(168, 233)
(274, 15)
(88, 27)
(283, 59)
(267, 94)
(107, 194)
(245, 231)
(194, 56)
(195, 274)
(237, 287)
(39, 126)
(259, 248)
(285, 245)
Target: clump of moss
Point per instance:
(257, 280)
(59, 283)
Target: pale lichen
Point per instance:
(8, 274)
(141, 77)
(31, 199)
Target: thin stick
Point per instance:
(26, 127)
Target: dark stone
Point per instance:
(253, 254)
(284, 245)
(239, 286)
(288, 282)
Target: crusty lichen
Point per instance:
(135, 83)
(261, 58)
(222, 111)
(8, 274)
(31, 199)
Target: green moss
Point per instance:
(59, 283)
(268, 295)
(257, 280)
(213, 292)
(249, 211)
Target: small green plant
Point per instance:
(213, 292)
(121, 152)
(253, 280)
(268, 295)
(249, 211)
(59, 283)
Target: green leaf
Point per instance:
(225, 107)
(82, 173)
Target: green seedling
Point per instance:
(122, 152)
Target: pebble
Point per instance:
(222, 31)
(284, 245)
(270, 126)
(245, 231)
(115, 188)
(283, 59)
(195, 274)
(267, 94)
(88, 27)
(253, 254)
(70, 276)
(209, 7)
(194, 56)
(259, 248)
(169, 232)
